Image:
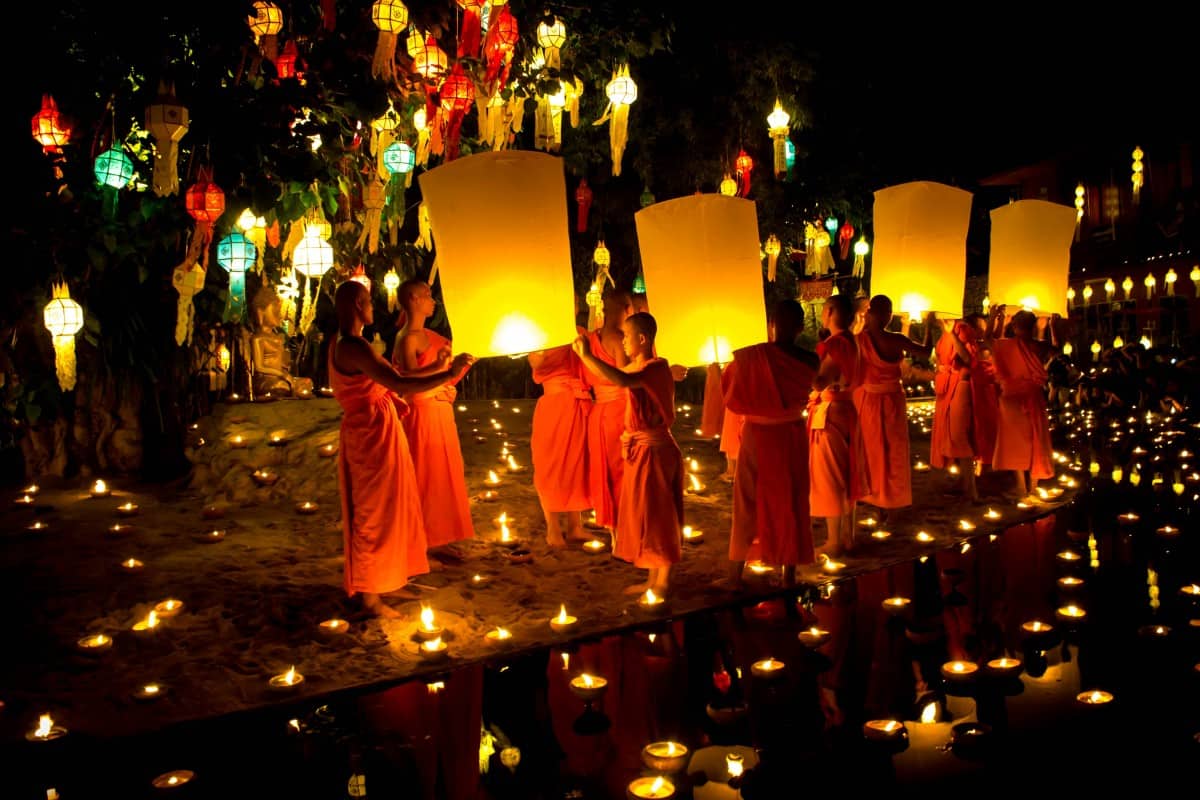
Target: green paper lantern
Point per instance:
(831, 224)
(790, 155)
(113, 168)
(399, 157)
(236, 253)
(639, 284)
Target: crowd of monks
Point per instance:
(807, 434)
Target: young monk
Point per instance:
(606, 423)
(559, 443)
(768, 386)
(883, 409)
(649, 525)
(383, 531)
(985, 392)
(429, 425)
(834, 460)
(1023, 433)
(954, 438)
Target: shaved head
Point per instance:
(413, 287)
(789, 321)
(352, 302)
(644, 324)
(842, 308)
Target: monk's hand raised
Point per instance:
(581, 347)
(461, 363)
(678, 372)
(444, 358)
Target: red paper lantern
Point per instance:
(50, 128)
(204, 200)
(456, 97)
(744, 164)
(472, 27)
(501, 38)
(845, 236)
(583, 199)
(285, 65)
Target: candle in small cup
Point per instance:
(127, 509)
(868, 522)
(1096, 697)
(964, 525)
(327, 450)
(1005, 666)
(119, 529)
(1128, 518)
(650, 599)
(666, 757)
(492, 479)
(1155, 631)
(814, 637)
(100, 489)
(37, 525)
(588, 687)
(32, 490)
(95, 643)
(334, 626)
(46, 730)
(1069, 556)
(489, 496)
(499, 634)
(307, 507)
(478, 580)
(896, 605)
(1191, 590)
(132, 565)
(767, 668)
(959, 670)
(880, 534)
(238, 442)
(428, 629)
(287, 680)
(883, 730)
(1070, 612)
(595, 546)
(149, 692)
(1036, 626)
(829, 565)
(1070, 582)
(759, 568)
(264, 477)
(173, 779)
(923, 537)
(992, 514)
(692, 535)
(563, 621)
(277, 440)
(212, 536)
(1168, 531)
(147, 625)
(650, 788)
(434, 649)
(24, 500)
(168, 608)
(920, 466)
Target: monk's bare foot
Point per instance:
(637, 588)
(556, 542)
(404, 593)
(377, 608)
(579, 536)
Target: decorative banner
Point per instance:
(1031, 255)
(703, 276)
(500, 223)
(920, 258)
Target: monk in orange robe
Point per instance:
(383, 531)
(883, 409)
(606, 423)
(731, 441)
(429, 425)
(985, 392)
(768, 385)
(1023, 438)
(953, 437)
(649, 526)
(834, 457)
(559, 443)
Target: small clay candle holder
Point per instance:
(127, 509)
(119, 529)
(884, 730)
(265, 477)
(897, 605)
(1006, 667)
(327, 450)
(100, 489)
(46, 730)
(814, 637)
(150, 692)
(238, 442)
(498, 635)
(588, 688)
(37, 526)
(768, 669)
(132, 565)
(286, 681)
(307, 507)
(563, 622)
(960, 671)
(334, 627)
(668, 757)
(168, 608)
(692, 535)
(519, 555)
(211, 537)
(95, 644)
(434, 650)
(650, 788)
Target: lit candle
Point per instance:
(563, 621)
(132, 565)
(1004, 667)
(694, 485)
(692, 535)
(96, 643)
(327, 450)
(147, 625)
(492, 479)
(868, 522)
(428, 629)
(1070, 612)
(168, 608)
(666, 757)
(238, 442)
(881, 534)
(127, 509)
(1070, 582)
(896, 605)
(1069, 556)
(37, 525)
(478, 580)
(33, 488)
(1191, 590)
(211, 537)
(1095, 697)
(588, 687)
(307, 507)
(992, 514)
(46, 730)
(264, 477)
(118, 529)
(953, 469)
(489, 496)
(923, 537)
(499, 635)
(767, 669)
(434, 649)
(829, 565)
(24, 500)
(964, 525)
(883, 730)
(100, 489)
(513, 466)
(304, 394)
(814, 637)
(920, 466)
(325, 391)
(759, 568)
(1155, 631)
(213, 512)
(334, 626)
(277, 440)
(594, 546)
(149, 692)
(650, 788)
(959, 670)
(734, 764)
(650, 600)
(287, 680)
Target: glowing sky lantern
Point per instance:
(715, 305)
(499, 220)
(1031, 255)
(920, 256)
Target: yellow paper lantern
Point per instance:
(391, 17)
(1110, 289)
(1138, 177)
(921, 247)
(391, 282)
(509, 292)
(1079, 201)
(601, 256)
(1031, 255)
(1070, 295)
(414, 43)
(778, 126)
(1170, 279)
(551, 38)
(772, 248)
(1127, 285)
(1096, 348)
(63, 318)
(1150, 282)
(313, 257)
(1118, 343)
(728, 186)
(715, 306)
(621, 92)
(265, 25)
(167, 121)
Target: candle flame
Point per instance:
(587, 680)
(922, 536)
(427, 618)
(693, 465)
(152, 619)
(562, 617)
(929, 713)
(150, 688)
(966, 526)
(694, 482)
(100, 487)
(45, 725)
(503, 633)
(657, 786)
(492, 478)
(505, 536)
(289, 677)
(733, 764)
(512, 463)
(670, 748)
(566, 659)
(503, 518)
(651, 598)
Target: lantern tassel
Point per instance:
(235, 306)
(188, 280)
(424, 229)
(472, 31)
(618, 135)
(374, 197)
(64, 361)
(772, 265)
(310, 307)
(860, 265)
(383, 66)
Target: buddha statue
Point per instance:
(269, 357)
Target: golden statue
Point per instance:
(269, 357)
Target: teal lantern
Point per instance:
(236, 254)
(399, 157)
(639, 284)
(647, 198)
(113, 168)
(790, 154)
(831, 224)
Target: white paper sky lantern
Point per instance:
(1031, 255)
(920, 258)
(703, 276)
(499, 220)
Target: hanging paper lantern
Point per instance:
(728, 186)
(861, 248)
(430, 62)
(1087, 294)
(647, 198)
(63, 318)
(359, 275)
(113, 168)
(1138, 177)
(255, 228)
(1079, 201)
(498, 48)
(1150, 283)
(1031, 254)
(621, 92)
(286, 64)
(744, 165)
(205, 202)
(1170, 279)
(551, 39)
(50, 128)
(819, 259)
(844, 236)
(639, 284)
(1195, 276)
(772, 248)
(583, 204)
(601, 256)
(188, 280)
(391, 17)
(424, 229)
(391, 282)
(1127, 285)
(167, 121)
(236, 254)
(398, 157)
(421, 124)
(778, 125)
(456, 96)
(472, 27)
(265, 25)
(595, 304)
(715, 306)
(920, 245)
(316, 224)
(415, 42)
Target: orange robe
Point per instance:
(649, 528)
(731, 434)
(883, 420)
(383, 532)
(559, 437)
(605, 425)
(436, 454)
(953, 433)
(770, 390)
(834, 461)
(712, 413)
(985, 405)
(1023, 437)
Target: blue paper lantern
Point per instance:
(399, 157)
(113, 168)
(831, 224)
(236, 253)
